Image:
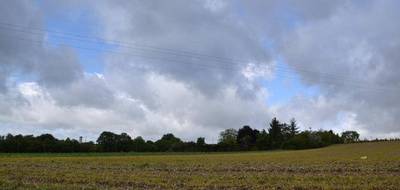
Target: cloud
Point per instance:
(24, 54)
(159, 91)
(185, 112)
(58, 67)
(90, 91)
(24, 13)
(191, 43)
(195, 67)
(351, 51)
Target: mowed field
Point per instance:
(334, 167)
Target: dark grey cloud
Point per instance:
(12, 46)
(352, 51)
(90, 91)
(23, 51)
(58, 67)
(179, 27)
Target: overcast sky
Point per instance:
(193, 68)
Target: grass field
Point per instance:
(334, 167)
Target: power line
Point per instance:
(279, 73)
(146, 48)
(225, 63)
(151, 49)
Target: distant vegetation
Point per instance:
(277, 136)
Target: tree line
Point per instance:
(277, 135)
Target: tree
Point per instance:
(350, 136)
(247, 137)
(107, 141)
(151, 146)
(294, 130)
(275, 133)
(263, 141)
(139, 144)
(286, 133)
(124, 142)
(278, 135)
(227, 139)
(201, 141)
(111, 142)
(168, 142)
(228, 136)
(304, 140)
(48, 142)
(300, 141)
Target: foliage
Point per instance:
(110, 142)
(228, 140)
(277, 136)
(293, 129)
(168, 142)
(275, 133)
(350, 136)
(247, 137)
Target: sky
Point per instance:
(194, 68)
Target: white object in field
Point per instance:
(363, 157)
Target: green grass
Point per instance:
(334, 167)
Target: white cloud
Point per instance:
(181, 110)
(180, 72)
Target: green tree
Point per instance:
(201, 141)
(47, 141)
(107, 141)
(263, 141)
(228, 136)
(247, 137)
(139, 144)
(275, 133)
(350, 136)
(124, 142)
(227, 139)
(294, 130)
(168, 142)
